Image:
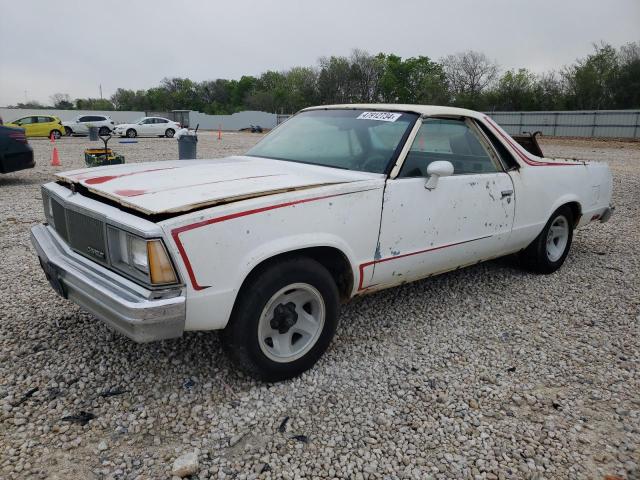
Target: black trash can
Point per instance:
(93, 133)
(187, 147)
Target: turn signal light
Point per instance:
(160, 268)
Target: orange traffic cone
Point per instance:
(55, 158)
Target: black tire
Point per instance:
(131, 133)
(104, 131)
(55, 134)
(68, 132)
(241, 336)
(169, 133)
(537, 257)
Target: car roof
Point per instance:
(426, 110)
(35, 115)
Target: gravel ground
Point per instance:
(487, 372)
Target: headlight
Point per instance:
(146, 260)
(138, 254)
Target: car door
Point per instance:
(30, 125)
(161, 125)
(466, 218)
(83, 124)
(44, 126)
(146, 127)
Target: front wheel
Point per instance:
(131, 133)
(104, 131)
(284, 319)
(169, 133)
(68, 132)
(548, 251)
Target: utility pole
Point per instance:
(100, 91)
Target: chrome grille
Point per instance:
(84, 234)
(59, 219)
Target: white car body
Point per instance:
(80, 125)
(220, 219)
(148, 127)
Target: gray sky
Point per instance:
(73, 46)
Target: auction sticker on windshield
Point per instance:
(382, 116)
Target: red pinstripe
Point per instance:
(525, 158)
(374, 262)
(175, 233)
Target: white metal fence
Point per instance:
(583, 123)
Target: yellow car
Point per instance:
(39, 126)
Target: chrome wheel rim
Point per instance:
(557, 238)
(291, 322)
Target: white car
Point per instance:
(81, 124)
(337, 202)
(148, 127)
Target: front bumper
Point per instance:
(140, 314)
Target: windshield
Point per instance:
(139, 120)
(349, 139)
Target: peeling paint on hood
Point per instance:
(184, 185)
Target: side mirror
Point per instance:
(435, 170)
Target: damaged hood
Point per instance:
(184, 185)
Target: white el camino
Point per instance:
(339, 201)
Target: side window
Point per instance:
(148, 121)
(27, 120)
(84, 119)
(451, 140)
(505, 157)
(161, 120)
(45, 119)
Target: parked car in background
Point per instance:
(148, 127)
(81, 124)
(337, 202)
(39, 126)
(15, 151)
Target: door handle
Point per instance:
(506, 193)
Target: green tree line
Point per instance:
(607, 78)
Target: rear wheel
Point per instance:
(131, 133)
(104, 131)
(169, 133)
(55, 134)
(284, 319)
(548, 251)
